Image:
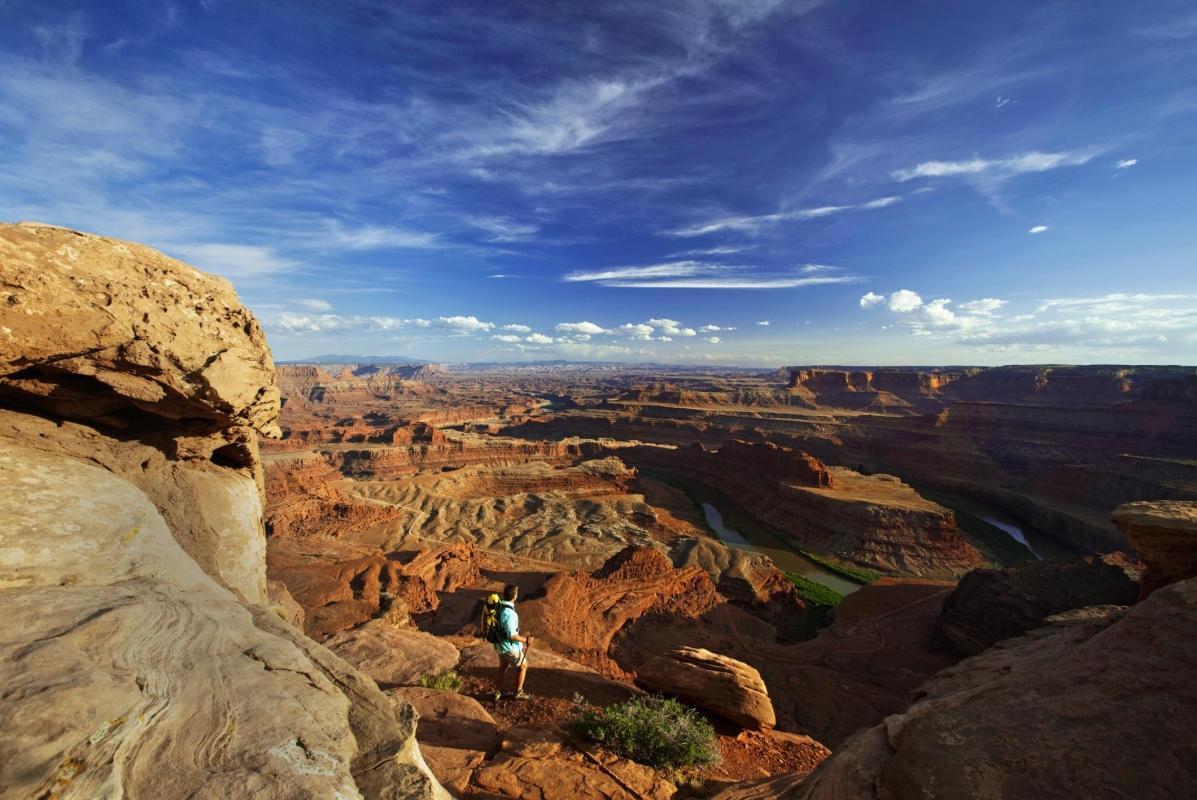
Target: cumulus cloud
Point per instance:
(517, 328)
(470, 324)
(1034, 161)
(764, 322)
(538, 338)
(506, 337)
(580, 327)
(716, 328)
(904, 301)
(714, 339)
(636, 330)
(871, 299)
(671, 327)
(1038, 229)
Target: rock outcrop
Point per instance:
(1099, 705)
(1164, 534)
(726, 687)
(138, 658)
(989, 605)
(393, 656)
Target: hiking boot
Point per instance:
(521, 695)
(498, 696)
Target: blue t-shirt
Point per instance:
(509, 625)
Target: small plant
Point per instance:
(657, 731)
(446, 680)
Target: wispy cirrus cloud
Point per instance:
(755, 224)
(705, 275)
(1034, 161)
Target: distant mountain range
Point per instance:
(351, 359)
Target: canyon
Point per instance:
(228, 577)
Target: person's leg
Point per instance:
(502, 676)
(523, 673)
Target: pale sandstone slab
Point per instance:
(393, 656)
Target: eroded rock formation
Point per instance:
(1094, 705)
(137, 658)
(1164, 534)
(990, 605)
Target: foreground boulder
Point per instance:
(137, 655)
(716, 683)
(1099, 704)
(994, 604)
(1164, 533)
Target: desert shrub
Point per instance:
(446, 680)
(657, 731)
(813, 592)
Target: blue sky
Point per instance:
(880, 183)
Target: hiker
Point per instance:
(511, 647)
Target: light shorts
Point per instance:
(513, 658)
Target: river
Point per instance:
(781, 555)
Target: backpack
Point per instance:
(488, 626)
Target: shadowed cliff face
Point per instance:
(136, 655)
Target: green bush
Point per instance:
(813, 592)
(446, 680)
(657, 731)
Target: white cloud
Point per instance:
(504, 230)
(986, 305)
(1126, 163)
(723, 250)
(668, 269)
(373, 237)
(714, 339)
(938, 313)
(1038, 229)
(580, 327)
(763, 322)
(1034, 161)
(811, 269)
(671, 327)
(747, 281)
(470, 324)
(314, 304)
(539, 338)
(517, 328)
(235, 261)
(871, 299)
(506, 337)
(636, 330)
(904, 301)
(716, 328)
(754, 224)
